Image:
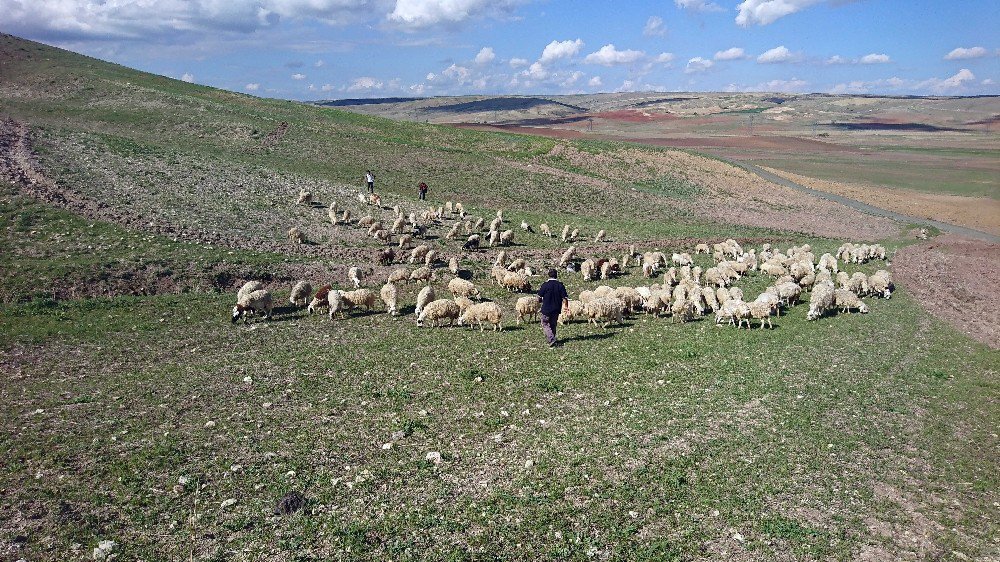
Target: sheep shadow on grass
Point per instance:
(589, 337)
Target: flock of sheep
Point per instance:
(679, 288)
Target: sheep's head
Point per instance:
(237, 312)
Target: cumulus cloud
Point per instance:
(298, 76)
(763, 12)
(364, 83)
(963, 82)
(837, 59)
(485, 55)
(595, 82)
(140, 19)
(698, 64)
(318, 63)
(664, 58)
(415, 14)
(733, 53)
(560, 50)
(698, 6)
(957, 81)
(518, 63)
(966, 53)
(654, 27)
(793, 85)
(458, 73)
(571, 79)
(252, 87)
(778, 54)
(608, 55)
(187, 77)
(875, 59)
(536, 71)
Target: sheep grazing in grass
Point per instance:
(494, 238)
(587, 296)
(422, 274)
(683, 310)
(383, 236)
(346, 217)
(575, 234)
(385, 256)
(459, 209)
(732, 310)
(846, 300)
(787, 293)
(472, 243)
(390, 296)
(425, 296)
(880, 284)
(354, 276)
(375, 227)
(305, 198)
(483, 313)
(366, 221)
(453, 265)
(500, 214)
(604, 309)
(405, 241)
(527, 308)
(252, 303)
(857, 283)
(610, 268)
(516, 282)
(300, 293)
(478, 224)
(418, 253)
(319, 300)
(397, 225)
(681, 259)
(587, 269)
(453, 232)
(296, 236)
(630, 298)
(545, 230)
(709, 296)
(518, 265)
(773, 269)
(600, 236)
(431, 258)
(501, 259)
(495, 224)
(249, 287)
(571, 312)
(461, 287)
(398, 275)
(702, 249)
(827, 261)
(448, 207)
(761, 310)
(463, 303)
(360, 297)
(337, 303)
(526, 227)
(333, 214)
(656, 302)
(565, 233)
(437, 311)
(821, 301)
(567, 256)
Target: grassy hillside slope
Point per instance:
(137, 413)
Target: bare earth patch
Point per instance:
(981, 213)
(955, 279)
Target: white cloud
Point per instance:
(654, 27)
(572, 79)
(327, 87)
(875, 59)
(537, 71)
(364, 83)
(485, 56)
(458, 73)
(416, 14)
(987, 82)
(966, 53)
(518, 63)
(778, 54)
(837, 59)
(560, 49)
(958, 80)
(187, 77)
(733, 53)
(298, 76)
(627, 86)
(595, 82)
(698, 64)
(780, 86)
(698, 6)
(318, 63)
(252, 87)
(608, 55)
(665, 58)
(763, 12)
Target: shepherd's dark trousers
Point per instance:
(549, 324)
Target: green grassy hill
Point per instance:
(137, 413)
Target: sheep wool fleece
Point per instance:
(552, 293)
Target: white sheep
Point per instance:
(360, 297)
(405, 240)
(527, 307)
(846, 300)
(606, 309)
(515, 282)
(461, 287)
(488, 312)
(430, 258)
(525, 226)
(353, 275)
(383, 236)
(305, 198)
(827, 261)
(419, 252)
(398, 275)
(821, 301)
(366, 221)
(296, 236)
(337, 303)
(463, 303)
(425, 296)
(565, 233)
(567, 256)
(494, 238)
(587, 269)
(437, 311)
(571, 312)
(600, 236)
(300, 293)
(545, 230)
(880, 284)
(453, 265)
(681, 259)
(517, 265)
(249, 287)
(252, 303)
(506, 238)
(422, 274)
(390, 296)
(333, 213)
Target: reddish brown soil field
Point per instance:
(633, 116)
(955, 279)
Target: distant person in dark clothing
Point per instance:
(422, 188)
(553, 295)
(370, 180)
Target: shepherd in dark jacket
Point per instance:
(553, 295)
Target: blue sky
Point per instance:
(321, 49)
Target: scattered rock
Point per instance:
(104, 549)
(228, 503)
(434, 457)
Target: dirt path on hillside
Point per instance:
(955, 279)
